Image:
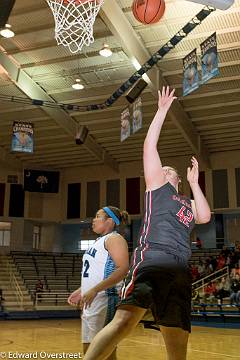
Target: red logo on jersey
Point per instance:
(182, 201)
(183, 217)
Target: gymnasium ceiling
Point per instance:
(204, 122)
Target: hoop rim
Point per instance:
(79, 1)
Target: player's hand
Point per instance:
(193, 172)
(165, 98)
(88, 298)
(75, 298)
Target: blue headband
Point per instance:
(112, 215)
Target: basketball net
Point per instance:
(74, 20)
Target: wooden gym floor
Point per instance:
(58, 336)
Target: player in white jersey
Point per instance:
(105, 264)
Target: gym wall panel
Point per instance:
(73, 201)
(133, 195)
(237, 177)
(35, 206)
(2, 198)
(113, 193)
(202, 181)
(16, 201)
(220, 189)
(93, 198)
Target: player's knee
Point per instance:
(124, 320)
(122, 323)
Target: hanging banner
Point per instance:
(22, 137)
(137, 115)
(41, 181)
(209, 58)
(125, 124)
(190, 73)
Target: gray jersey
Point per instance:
(167, 224)
(164, 240)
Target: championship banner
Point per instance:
(137, 115)
(22, 137)
(41, 181)
(209, 58)
(190, 73)
(125, 124)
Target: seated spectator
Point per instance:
(235, 271)
(223, 289)
(228, 261)
(213, 263)
(220, 262)
(235, 290)
(195, 297)
(195, 273)
(201, 269)
(225, 251)
(233, 260)
(209, 292)
(208, 267)
(39, 288)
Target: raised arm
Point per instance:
(153, 171)
(201, 209)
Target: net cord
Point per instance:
(74, 22)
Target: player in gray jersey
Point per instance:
(159, 277)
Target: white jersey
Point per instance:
(97, 265)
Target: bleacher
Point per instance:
(217, 312)
(204, 313)
(59, 272)
(203, 254)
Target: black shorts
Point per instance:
(165, 289)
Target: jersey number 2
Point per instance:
(86, 265)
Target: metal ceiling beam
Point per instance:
(231, 30)
(62, 118)
(115, 151)
(171, 57)
(212, 106)
(62, 157)
(236, 141)
(224, 148)
(55, 151)
(214, 81)
(52, 44)
(103, 67)
(29, 9)
(218, 116)
(181, 54)
(219, 125)
(122, 29)
(211, 93)
(220, 65)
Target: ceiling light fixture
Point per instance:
(105, 51)
(77, 85)
(7, 32)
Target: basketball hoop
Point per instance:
(74, 20)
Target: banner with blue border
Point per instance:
(190, 73)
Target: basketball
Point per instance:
(148, 11)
